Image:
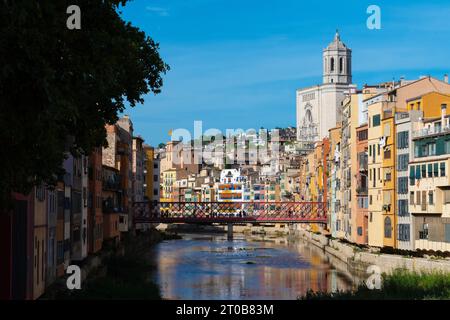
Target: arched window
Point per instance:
(325, 64)
(387, 227)
(341, 65)
(332, 64)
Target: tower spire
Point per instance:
(337, 36)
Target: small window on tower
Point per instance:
(332, 64)
(341, 65)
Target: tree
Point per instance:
(59, 87)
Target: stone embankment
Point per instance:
(358, 260)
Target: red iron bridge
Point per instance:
(230, 212)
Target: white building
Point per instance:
(231, 186)
(319, 107)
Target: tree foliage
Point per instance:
(59, 87)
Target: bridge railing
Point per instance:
(245, 211)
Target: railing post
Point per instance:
(230, 231)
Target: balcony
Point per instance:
(362, 190)
(388, 109)
(401, 115)
(431, 131)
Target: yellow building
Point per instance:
(149, 156)
(429, 103)
(375, 132)
(334, 188)
(169, 177)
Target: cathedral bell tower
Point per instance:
(337, 62)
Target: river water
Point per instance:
(202, 266)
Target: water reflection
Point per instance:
(210, 267)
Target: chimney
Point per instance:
(446, 78)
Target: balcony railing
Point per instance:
(401, 115)
(431, 131)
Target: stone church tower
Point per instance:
(319, 107)
(337, 62)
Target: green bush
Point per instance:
(400, 285)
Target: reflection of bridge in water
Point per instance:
(229, 212)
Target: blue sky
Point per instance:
(237, 63)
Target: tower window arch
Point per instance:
(332, 64)
(341, 65)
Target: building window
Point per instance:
(447, 147)
(403, 232)
(402, 162)
(418, 198)
(76, 235)
(424, 151)
(76, 202)
(403, 185)
(447, 232)
(332, 64)
(376, 120)
(362, 135)
(412, 176)
(387, 154)
(388, 176)
(411, 198)
(341, 65)
(430, 197)
(432, 149)
(430, 170)
(359, 230)
(435, 169)
(402, 140)
(423, 234)
(40, 193)
(403, 208)
(387, 227)
(424, 200)
(85, 200)
(374, 177)
(446, 196)
(424, 171)
(442, 169)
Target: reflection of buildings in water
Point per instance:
(333, 281)
(185, 272)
